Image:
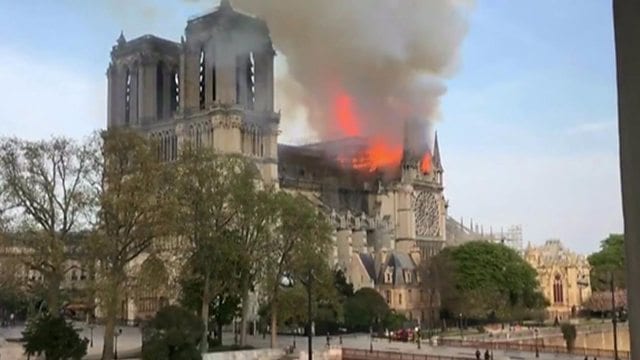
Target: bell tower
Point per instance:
(214, 88)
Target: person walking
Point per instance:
(487, 356)
(478, 354)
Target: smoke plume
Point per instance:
(361, 67)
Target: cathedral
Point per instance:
(215, 88)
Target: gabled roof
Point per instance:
(398, 263)
(369, 264)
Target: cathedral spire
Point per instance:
(225, 5)
(437, 162)
(121, 38)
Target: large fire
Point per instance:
(381, 152)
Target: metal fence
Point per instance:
(516, 346)
(353, 354)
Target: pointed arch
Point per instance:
(202, 77)
(160, 85)
(558, 294)
(127, 97)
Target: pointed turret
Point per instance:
(121, 39)
(225, 5)
(437, 162)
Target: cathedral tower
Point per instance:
(215, 88)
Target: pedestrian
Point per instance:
(328, 340)
(487, 356)
(11, 319)
(478, 354)
(586, 358)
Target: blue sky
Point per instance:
(528, 125)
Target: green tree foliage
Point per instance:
(54, 338)
(344, 289)
(364, 309)
(487, 280)
(131, 194)
(569, 333)
(394, 321)
(255, 219)
(172, 335)
(222, 308)
(299, 247)
(607, 261)
(45, 190)
(206, 187)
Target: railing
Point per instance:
(516, 346)
(353, 354)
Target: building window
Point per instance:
(387, 277)
(399, 299)
(202, 78)
(175, 91)
(407, 276)
(558, 296)
(214, 94)
(74, 275)
(160, 91)
(388, 296)
(409, 297)
(127, 98)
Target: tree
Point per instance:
(488, 280)
(569, 334)
(54, 337)
(44, 186)
(172, 335)
(254, 222)
(344, 289)
(364, 309)
(222, 309)
(133, 207)
(608, 261)
(298, 249)
(205, 188)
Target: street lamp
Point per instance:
(370, 339)
(91, 326)
(118, 333)
(536, 342)
(460, 326)
(287, 282)
(307, 284)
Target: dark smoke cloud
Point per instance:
(390, 55)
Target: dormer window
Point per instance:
(407, 277)
(388, 277)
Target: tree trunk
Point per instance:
(274, 325)
(219, 334)
(245, 312)
(53, 294)
(109, 332)
(204, 315)
(111, 311)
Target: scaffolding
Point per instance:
(512, 237)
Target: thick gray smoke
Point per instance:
(388, 56)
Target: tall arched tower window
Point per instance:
(558, 297)
(160, 91)
(175, 91)
(203, 77)
(127, 98)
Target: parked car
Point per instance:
(403, 335)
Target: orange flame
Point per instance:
(380, 155)
(346, 115)
(380, 152)
(425, 164)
